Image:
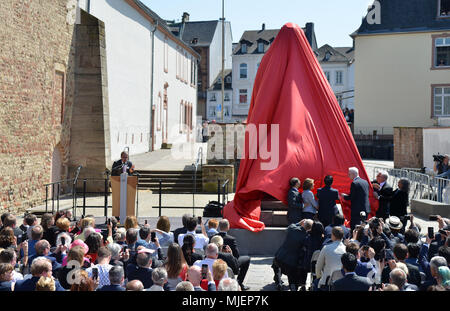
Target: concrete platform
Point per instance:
(426, 208)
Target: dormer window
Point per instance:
(327, 56)
(444, 8)
(244, 48)
(260, 47)
(228, 79)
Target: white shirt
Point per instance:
(200, 240)
(209, 262)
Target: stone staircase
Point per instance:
(171, 181)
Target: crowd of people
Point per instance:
(57, 253)
(379, 253)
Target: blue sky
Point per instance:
(334, 20)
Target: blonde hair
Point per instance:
(63, 223)
(131, 222)
(87, 222)
(308, 184)
(219, 268)
(45, 284)
(218, 240)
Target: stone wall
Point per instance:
(90, 134)
(408, 147)
(36, 97)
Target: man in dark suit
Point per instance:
(116, 278)
(226, 254)
(142, 271)
(118, 165)
(42, 248)
(327, 201)
(295, 202)
(383, 191)
(40, 267)
(359, 197)
(244, 261)
(182, 230)
(351, 281)
(289, 259)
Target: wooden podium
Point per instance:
(131, 196)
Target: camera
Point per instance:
(153, 236)
(438, 158)
(408, 217)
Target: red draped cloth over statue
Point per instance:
(313, 140)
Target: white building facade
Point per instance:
(150, 106)
(338, 66)
(214, 99)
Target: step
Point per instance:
(166, 172)
(273, 206)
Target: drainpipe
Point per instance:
(151, 85)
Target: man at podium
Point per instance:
(118, 165)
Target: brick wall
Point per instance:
(36, 92)
(408, 147)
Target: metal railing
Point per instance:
(422, 186)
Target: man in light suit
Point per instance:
(327, 201)
(330, 257)
(359, 197)
(351, 281)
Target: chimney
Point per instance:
(263, 26)
(185, 17)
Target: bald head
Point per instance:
(212, 251)
(135, 286)
(195, 275)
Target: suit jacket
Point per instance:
(413, 275)
(231, 262)
(177, 232)
(55, 265)
(327, 203)
(351, 282)
(295, 205)
(293, 251)
(116, 169)
(385, 194)
(231, 242)
(359, 196)
(399, 202)
(5, 286)
(29, 285)
(329, 228)
(111, 288)
(142, 274)
(329, 260)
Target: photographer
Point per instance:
(440, 164)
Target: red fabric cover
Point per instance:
(314, 139)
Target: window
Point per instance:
(444, 8)
(226, 111)
(212, 111)
(327, 74)
(441, 101)
(339, 99)
(228, 79)
(242, 96)
(260, 47)
(327, 56)
(243, 71)
(192, 71)
(213, 97)
(226, 97)
(244, 48)
(339, 75)
(442, 52)
(158, 112)
(166, 55)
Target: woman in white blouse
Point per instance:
(310, 205)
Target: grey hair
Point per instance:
(353, 170)
(438, 261)
(88, 231)
(116, 275)
(184, 286)
(224, 224)
(115, 249)
(384, 174)
(228, 285)
(211, 250)
(398, 277)
(159, 276)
